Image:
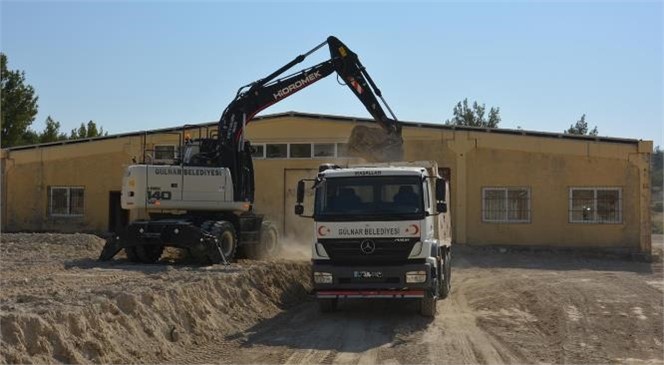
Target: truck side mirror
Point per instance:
(440, 190)
(299, 209)
(441, 207)
(300, 192)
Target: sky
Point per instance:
(132, 65)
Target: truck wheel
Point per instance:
(327, 305)
(428, 306)
(446, 282)
(269, 244)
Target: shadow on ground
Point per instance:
(359, 325)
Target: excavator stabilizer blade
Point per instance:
(375, 144)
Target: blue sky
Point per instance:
(142, 65)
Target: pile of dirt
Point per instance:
(374, 144)
(58, 304)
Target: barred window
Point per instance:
(506, 205)
(66, 201)
(258, 150)
(277, 150)
(164, 152)
(324, 150)
(300, 150)
(595, 205)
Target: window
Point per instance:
(324, 150)
(342, 150)
(506, 205)
(595, 205)
(300, 150)
(258, 151)
(164, 152)
(276, 150)
(65, 201)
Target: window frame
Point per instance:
(162, 160)
(264, 145)
(311, 151)
(279, 157)
(68, 189)
(506, 190)
(596, 220)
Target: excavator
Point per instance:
(203, 202)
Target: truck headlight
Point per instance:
(320, 250)
(417, 249)
(416, 276)
(322, 278)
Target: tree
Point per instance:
(18, 107)
(474, 117)
(581, 128)
(88, 131)
(51, 132)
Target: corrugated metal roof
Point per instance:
(294, 114)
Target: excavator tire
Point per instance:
(149, 254)
(145, 254)
(269, 245)
(208, 253)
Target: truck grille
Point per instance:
(387, 250)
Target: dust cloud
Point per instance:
(375, 144)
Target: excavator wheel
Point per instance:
(145, 254)
(269, 245)
(209, 254)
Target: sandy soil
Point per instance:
(58, 305)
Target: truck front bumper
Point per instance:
(346, 283)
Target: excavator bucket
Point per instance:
(375, 144)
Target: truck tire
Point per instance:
(269, 243)
(428, 306)
(327, 305)
(446, 282)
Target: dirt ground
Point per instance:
(59, 305)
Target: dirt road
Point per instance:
(504, 308)
(59, 305)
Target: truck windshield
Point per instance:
(372, 197)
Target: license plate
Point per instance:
(367, 274)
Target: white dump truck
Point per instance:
(380, 231)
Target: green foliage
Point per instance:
(51, 132)
(581, 128)
(87, 131)
(464, 115)
(18, 106)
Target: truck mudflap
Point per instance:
(395, 294)
(181, 234)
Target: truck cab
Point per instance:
(380, 231)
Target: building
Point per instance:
(509, 187)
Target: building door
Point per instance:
(295, 227)
(117, 217)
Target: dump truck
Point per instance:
(203, 202)
(380, 231)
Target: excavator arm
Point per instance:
(234, 152)
(255, 97)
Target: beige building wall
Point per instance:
(548, 166)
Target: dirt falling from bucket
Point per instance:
(375, 144)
